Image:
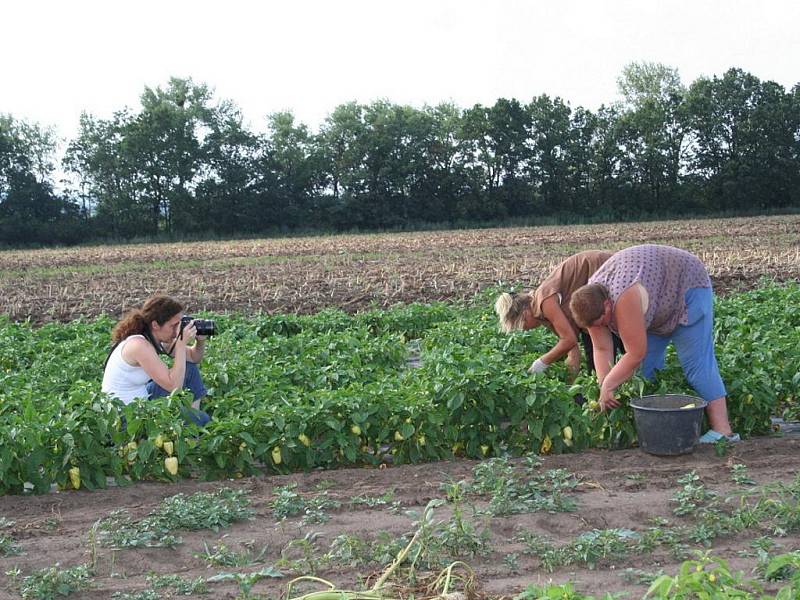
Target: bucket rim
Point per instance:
(699, 402)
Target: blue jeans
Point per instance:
(694, 343)
(193, 382)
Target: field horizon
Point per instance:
(367, 271)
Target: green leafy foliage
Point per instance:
(202, 510)
(54, 582)
(290, 393)
(565, 591)
(519, 490)
(8, 546)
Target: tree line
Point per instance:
(184, 163)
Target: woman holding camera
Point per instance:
(133, 368)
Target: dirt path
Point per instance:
(623, 489)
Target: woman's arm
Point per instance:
(567, 340)
(196, 352)
(603, 351)
(574, 361)
(630, 322)
(140, 352)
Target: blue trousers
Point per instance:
(193, 382)
(694, 343)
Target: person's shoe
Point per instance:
(711, 436)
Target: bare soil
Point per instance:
(619, 489)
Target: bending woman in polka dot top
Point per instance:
(650, 295)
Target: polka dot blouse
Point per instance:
(665, 272)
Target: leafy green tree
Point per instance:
(592, 161)
(439, 186)
(652, 134)
(30, 210)
(493, 144)
(551, 143)
(99, 159)
(227, 195)
(601, 132)
(744, 134)
(342, 156)
(378, 155)
(143, 168)
(388, 157)
(165, 144)
(289, 172)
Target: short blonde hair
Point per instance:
(587, 304)
(510, 309)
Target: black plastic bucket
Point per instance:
(665, 425)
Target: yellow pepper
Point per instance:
(171, 465)
(75, 477)
(356, 430)
(168, 448)
(304, 439)
(547, 443)
(276, 455)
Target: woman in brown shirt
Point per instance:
(548, 305)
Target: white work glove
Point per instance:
(538, 366)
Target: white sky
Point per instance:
(61, 57)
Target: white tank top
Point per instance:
(123, 380)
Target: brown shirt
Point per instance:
(565, 279)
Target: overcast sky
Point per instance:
(58, 57)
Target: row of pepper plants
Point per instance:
(293, 393)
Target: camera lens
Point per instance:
(202, 326)
(205, 326)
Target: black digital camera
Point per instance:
(203, 326)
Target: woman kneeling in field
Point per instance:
(651, 295)
(548, 305)
(134, 369)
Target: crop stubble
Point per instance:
(354, 272)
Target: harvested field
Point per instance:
(354, 272)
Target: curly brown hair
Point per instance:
(137, 321)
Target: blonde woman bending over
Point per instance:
(548, 305)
